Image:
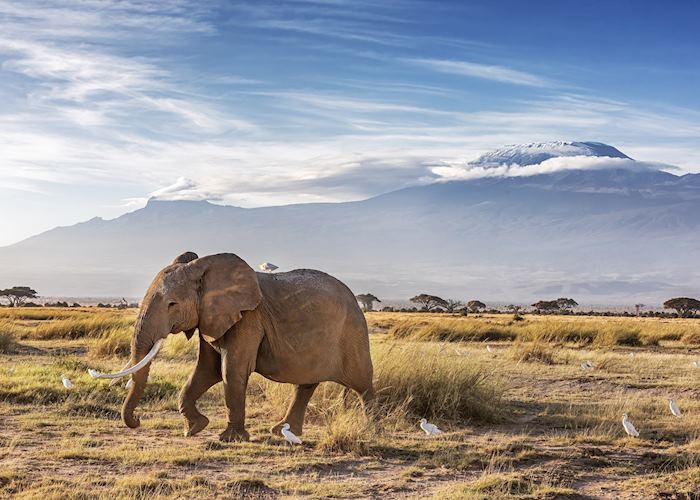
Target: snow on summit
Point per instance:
(537, 152)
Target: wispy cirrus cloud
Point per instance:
(106, 86)
(484, 71)
(102, 19)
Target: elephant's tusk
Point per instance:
(116, 380)
(146, 359)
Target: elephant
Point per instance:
(300, 327)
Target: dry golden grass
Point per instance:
(74, 328)
(432, 382)
(525, 421)
(8, 345)
(600, 331)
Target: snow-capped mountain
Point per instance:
(537, 152)
(604, 235)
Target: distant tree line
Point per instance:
(685, 307)
(18, 296)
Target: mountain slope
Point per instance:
(604, 236)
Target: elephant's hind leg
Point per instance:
(205, 375)
(297, 409)
(365, 394)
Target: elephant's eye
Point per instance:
(172, 303)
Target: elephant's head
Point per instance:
(210, 294)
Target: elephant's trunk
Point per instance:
(136, 391)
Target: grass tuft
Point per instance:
(533, 352)
(8, 345)
(437, 387)
(347, 430)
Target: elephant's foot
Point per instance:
(233, 434)
(195, 425)
(277, 428)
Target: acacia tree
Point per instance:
(18, 295)
(638, 308)
(367, 300)
(514, 308)
(684, 306)
(546, 306)
(452, 305)
(475, 306)
(566, 304)
(429, 302)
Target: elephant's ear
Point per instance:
(227, 287)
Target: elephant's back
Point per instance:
(310, 281)
(313, 292)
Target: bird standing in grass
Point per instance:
(428, 428)
(291, 438)
(674, 408)
(267, 267)
(489, 348)
(66, 382)
(586, 365)
(629, 426)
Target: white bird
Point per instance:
(489, 348)
(695, 364)
(267, 267)
(66, 382)
(629, 426)
(291, 438)
(674, 408)
(586, 365)
(632, 355)
(428, 428)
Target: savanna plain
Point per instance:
(522, 419)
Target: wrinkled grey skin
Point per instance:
(301, 327)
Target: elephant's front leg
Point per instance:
(237, 363)
(206, 374)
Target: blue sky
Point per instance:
(106, 103)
